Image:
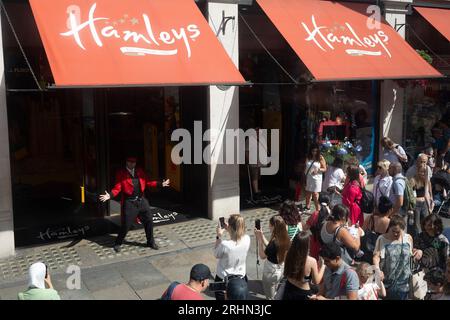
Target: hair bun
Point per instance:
(384, 204)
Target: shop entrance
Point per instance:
(139, 122)
(66, 146)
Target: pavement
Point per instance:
(137, 272)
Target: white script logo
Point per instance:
(111, 31)
(372, 43)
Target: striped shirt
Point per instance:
(293, 230)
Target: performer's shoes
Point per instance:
(257, 195)
(153, 245)
(117, 248)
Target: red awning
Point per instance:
(138, 42)
(335, 42)
(439, 18)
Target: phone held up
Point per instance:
(258, 224)
(222, 222)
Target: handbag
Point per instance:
(280, 290)
(418, 287)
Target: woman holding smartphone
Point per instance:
(40, 286)
(231, 254)
(274, 251)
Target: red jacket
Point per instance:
(125, 185)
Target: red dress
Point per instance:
(351, 197)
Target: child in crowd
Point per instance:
(371, 286)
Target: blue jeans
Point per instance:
(396, 295)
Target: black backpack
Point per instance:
(406, 164)
(367, 201)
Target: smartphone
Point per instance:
(222, 222)
(217, 286)
(377, 277)
(258, 224)
(46, 271)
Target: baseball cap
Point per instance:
(131, 159)
(200, 272)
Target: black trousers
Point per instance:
(132, 209)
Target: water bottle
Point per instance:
(410, 217)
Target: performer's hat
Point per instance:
(131, 159)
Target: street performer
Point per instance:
(132, 181)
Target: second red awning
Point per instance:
(339, 41)
(439, 18)
(139, 42)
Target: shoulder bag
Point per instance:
(418, 287)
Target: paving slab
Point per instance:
(102, 278)
(141, 274)
(154, 292)
(76, 294)
(11, 292)
(119, 292)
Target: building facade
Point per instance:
(62, 145)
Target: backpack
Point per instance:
(406, 164)
(367, 203)
(409, 199)
(368, 241)
(168, 294)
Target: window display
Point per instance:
(341, 118)
(427, 115)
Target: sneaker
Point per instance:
(117, 248)
(306, 211)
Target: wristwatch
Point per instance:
(217, 237)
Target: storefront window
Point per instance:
(427, 115)
(427, 102)
(341, 118)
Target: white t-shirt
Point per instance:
(391, 156)
(368, 292)
(333, 177)
(232, 257)
(382, 187)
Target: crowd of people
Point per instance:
(342, 251)
(339, 250)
